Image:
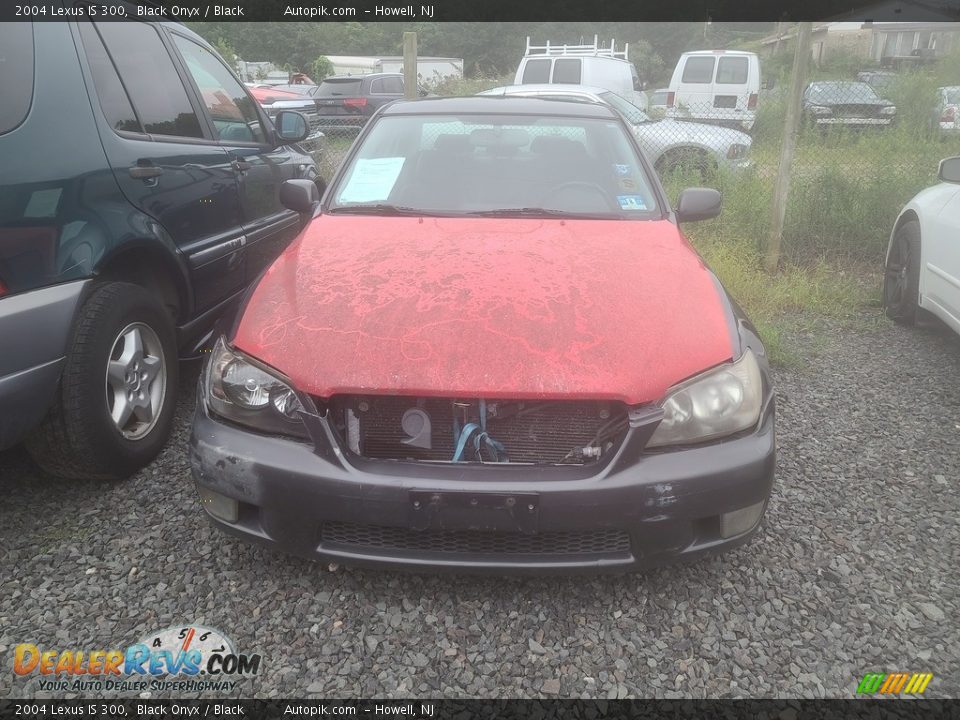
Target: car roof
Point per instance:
(552, 87)
(499, 104)
(741, 53)
(361, 76)
(837, 83)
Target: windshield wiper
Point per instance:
(380, 209)
(542, 212)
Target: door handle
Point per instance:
(241, 165)
(145, 172)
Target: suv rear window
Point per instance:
(732, 70)
(347, 88)
(566, 71)
(390, 85)
(536, 71)
(113, 98)
(150, 78)
(16, 73)
(698, 70)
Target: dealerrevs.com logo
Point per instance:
(187, 659)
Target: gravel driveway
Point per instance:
(854, 572)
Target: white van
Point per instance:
(603, 67)
(715, 86)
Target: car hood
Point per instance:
(697, 133)
(488, 307)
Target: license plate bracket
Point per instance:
(493, 512)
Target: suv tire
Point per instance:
(117, 395)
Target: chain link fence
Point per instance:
(867, 143)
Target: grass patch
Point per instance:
(792, 300)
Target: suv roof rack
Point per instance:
(594, 50)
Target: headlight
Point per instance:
(723, 401)
(243, 393)
(888, 110)
(737, 151)
(820, 110)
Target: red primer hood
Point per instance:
(487, 307)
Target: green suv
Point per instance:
(139, 198)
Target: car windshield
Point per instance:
(952, 95)
(631, 113)
(496, 165)
(843, 92)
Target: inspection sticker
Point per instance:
(631, 202)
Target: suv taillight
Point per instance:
(355, 102)
(949, 114)
(3, 289)
(752, 102)
(670, 98)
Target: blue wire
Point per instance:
(468, 430)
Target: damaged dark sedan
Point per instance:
(492, 348)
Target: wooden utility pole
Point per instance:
(791, 128)
(410, 84)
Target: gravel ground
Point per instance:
(855, 570)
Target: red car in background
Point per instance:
(492, 348)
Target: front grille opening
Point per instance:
(358, 537)
(484, 431)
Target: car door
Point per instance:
(260, 163)
(731, 96)
(162, 156)
(695, 90)
(941, 255)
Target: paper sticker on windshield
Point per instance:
(372, 180)
(631, 202)
(628, 184)
(621, 169)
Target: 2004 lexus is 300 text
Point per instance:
(492, 348)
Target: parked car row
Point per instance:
(487, 345)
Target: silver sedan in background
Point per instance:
(667, 143)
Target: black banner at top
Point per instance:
(484, 10)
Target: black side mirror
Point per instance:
(698, 204)
(291, 126)
(769, 84)
(950, 170)
(301, 196)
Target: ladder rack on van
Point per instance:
(593, 50)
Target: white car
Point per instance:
(667, 143)
(923, 258)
